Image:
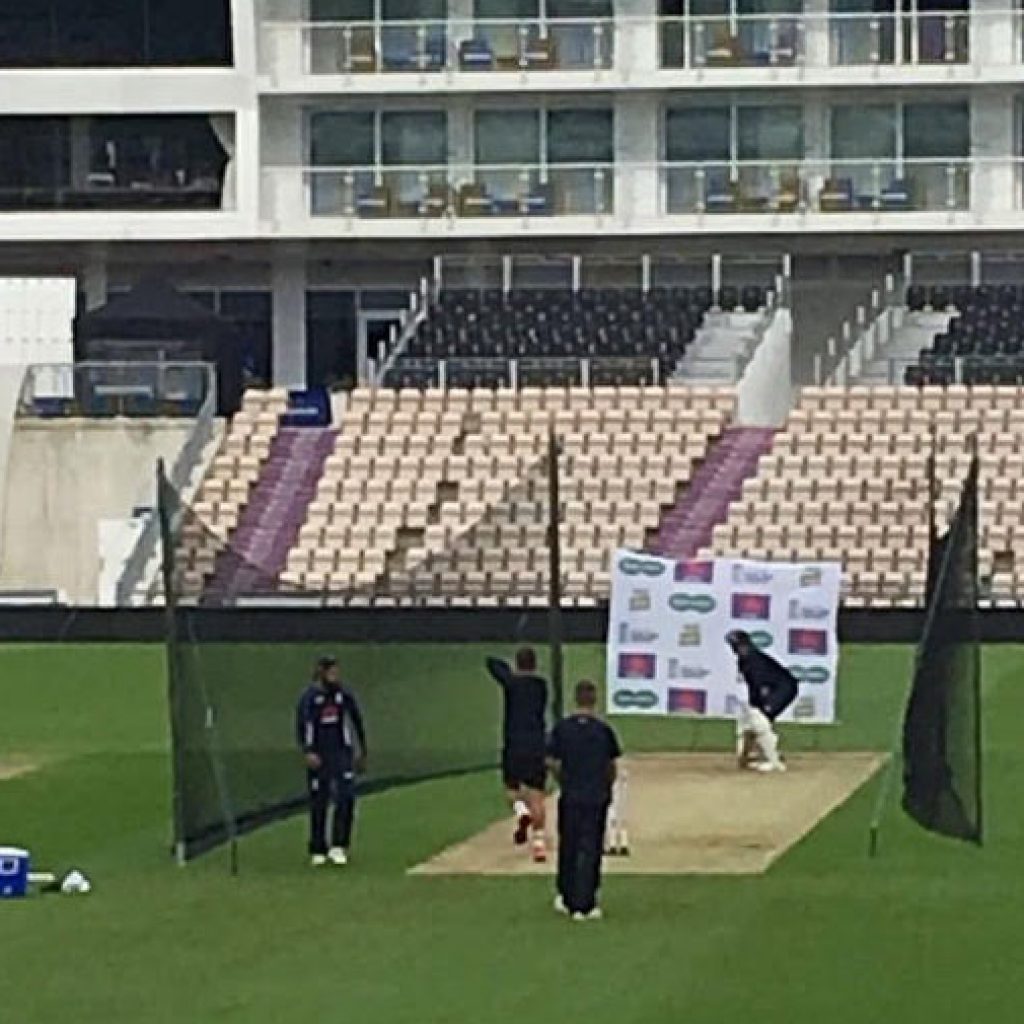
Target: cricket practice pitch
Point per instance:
(691, 814)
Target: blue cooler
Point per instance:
(13, 872)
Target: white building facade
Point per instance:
(298, 164)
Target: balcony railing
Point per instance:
(136, 196)
(780, 40)
(541, 44)
(839, 186)
(450, 191)
(692, 41)
(634, 193)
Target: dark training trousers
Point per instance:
(327, 787)
(580, 847)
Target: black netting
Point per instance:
(942, 728)
(428, 706)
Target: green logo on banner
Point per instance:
(702, 603)
(641, 567)
(643, 699)
(810, 673)
(761, 640)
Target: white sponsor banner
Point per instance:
(668, 619)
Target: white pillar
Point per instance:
(637, 42)
(816, 145)
(288, 286)
(816, 33)
(994, 33)
(281, 47)
(995, 179)
(638, 186)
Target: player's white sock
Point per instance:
(538, 835)
(520, 810)
(769, 744)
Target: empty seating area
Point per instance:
(224, 491)
(627, 335)
(441, 496)
(984, 341)
(847, 480)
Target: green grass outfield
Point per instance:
(930, 932)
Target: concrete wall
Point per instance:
(63, 478)
(764, 393)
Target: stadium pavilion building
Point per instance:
(300, 164)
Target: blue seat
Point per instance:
(896, 195)
(476, 55)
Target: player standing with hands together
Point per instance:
(583, 752)
(329, 724)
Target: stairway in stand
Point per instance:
(270, 523)
(688, 527)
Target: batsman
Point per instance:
(771, 689)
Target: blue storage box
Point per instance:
(13, 872)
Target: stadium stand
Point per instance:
(629, 335)
(847, 479)
(984, 333)
(440, 495)
(224, 492)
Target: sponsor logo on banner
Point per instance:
(701, 603)
(808, 641)
(636, 635)
(751, 574)
(761, 640)
(695, 571)
(640, 601)
(733, 705)
(641, 567)
(637, 666)
(751, 606)
(687, 702)
(683, 670)
(811, 576)
(800, 612)
(805, 708)
(642, 699)
(810, 673)
(690, 635)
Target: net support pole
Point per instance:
(163, 512)
(555, 581)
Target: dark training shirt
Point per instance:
(526, 699)
(767, 681)
(586, 747)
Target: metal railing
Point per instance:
(449, 191)
(626, 44)
(525, 371)
(824, 186)
(835, 39)
(628, 193)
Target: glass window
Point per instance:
(697, 134)
(579, 8)
(936, 130)
(864, 132)
(580, 137)
(414, 138)
(341, 10)
(34, 153)
(342, 139)
(770, 133)
(507, 137)
(505, 10)
(414, 10)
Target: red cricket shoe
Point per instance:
(522, 831)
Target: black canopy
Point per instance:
(155, 322)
